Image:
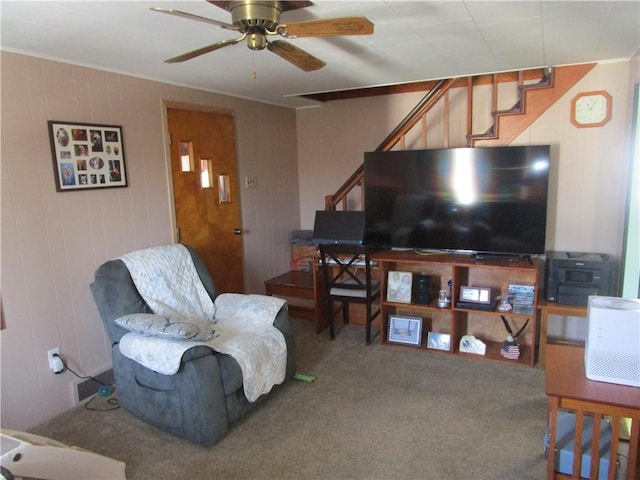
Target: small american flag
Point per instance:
(510, 349)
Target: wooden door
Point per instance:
(208, 216)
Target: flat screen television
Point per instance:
(484, 200)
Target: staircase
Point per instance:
(537, 90)
(534, 100)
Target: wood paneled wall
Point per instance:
(588, 177)
(52, 242)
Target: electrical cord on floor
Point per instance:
(110, 401)
(104, 391)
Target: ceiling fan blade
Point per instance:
(327, 28)
(298, 57)
(207, 49)
(191, 16)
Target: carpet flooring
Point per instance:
(373, 412)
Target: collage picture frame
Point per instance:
(87, 156)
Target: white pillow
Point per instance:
(166, 327)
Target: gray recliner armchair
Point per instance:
(205, 397)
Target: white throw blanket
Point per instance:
(167, 280)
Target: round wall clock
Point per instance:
(591, 109)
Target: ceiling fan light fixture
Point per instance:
(256, 40)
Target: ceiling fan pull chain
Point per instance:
(253, 64)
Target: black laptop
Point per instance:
(338, 227)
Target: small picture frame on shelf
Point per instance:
(439, 341)
(405, 330)
(399, 286)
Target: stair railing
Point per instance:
(412, 118)
(545, 79)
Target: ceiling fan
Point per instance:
(256, 19)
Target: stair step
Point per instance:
(517, 108)
(489, 133)
(555, 84)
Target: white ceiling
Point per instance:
(413, 41)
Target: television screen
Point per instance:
(480, 200)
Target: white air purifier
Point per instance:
(612, 350)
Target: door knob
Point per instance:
(237, 231)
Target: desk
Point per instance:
(297, 285)
(567, 387)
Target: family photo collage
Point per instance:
(87, 156)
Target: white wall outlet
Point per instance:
(55, 363)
